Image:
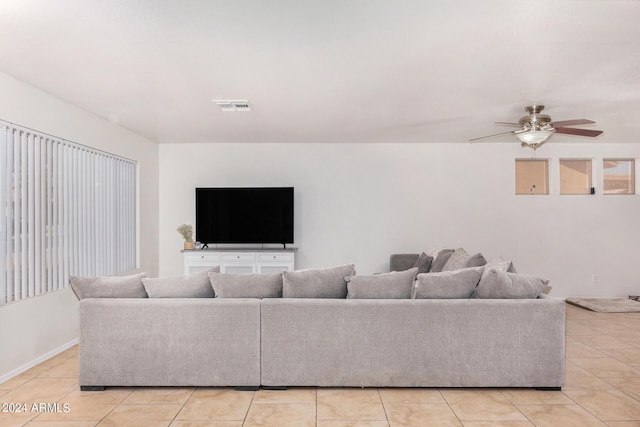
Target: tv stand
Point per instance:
(205, 246)
(240, 260)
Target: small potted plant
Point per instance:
(186, 231)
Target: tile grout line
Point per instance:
(112, 409)
(183, 404)
(244, 420)
(384, 408)
(450, 408)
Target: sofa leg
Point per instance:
(549, 388)
(274, 387)
(247, 388)
(91, 388)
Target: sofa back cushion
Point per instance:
(194, 285)
(394, 285)
(108, 286)
(502, 284)
(317, 283)
(452, 284)
(402, 262)
(247, 285)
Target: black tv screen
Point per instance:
(244, 215)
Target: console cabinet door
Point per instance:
(194, 262)
(272, 267)
(237, 267)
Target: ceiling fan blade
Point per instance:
(579, 132)
(489, 136)
(572, 122)
(507, 124)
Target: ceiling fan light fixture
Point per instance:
(534, 138)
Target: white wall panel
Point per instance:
(35, 327)
(362, 202)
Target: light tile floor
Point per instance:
(602, 389)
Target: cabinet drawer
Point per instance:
(201, 257)
(241, 256)
(275, 257)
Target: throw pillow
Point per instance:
(501, 264)
(247, 285)
(440, 260)
(476, 260)
(501, 284)
(108, 286)
(317, 283)
(394, 285)
(194, 285)
(433, 253)
(453, 284)
(457, 260)
(423, 263)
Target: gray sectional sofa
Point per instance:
(317, 339)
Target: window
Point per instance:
(575, 176)
(532, 176)
(619, 176)
(65, 209)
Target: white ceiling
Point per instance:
(331, 70)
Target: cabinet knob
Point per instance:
(274, 257)
(238, 257)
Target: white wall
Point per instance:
(362, 202)
(37, 326)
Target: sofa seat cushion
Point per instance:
(108, 286)
(247, 285)
(448, 284)
(501, 284)
(394, 285)
(317, 283)
(194, 285)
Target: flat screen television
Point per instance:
(244, 215)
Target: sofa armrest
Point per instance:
(401, 262)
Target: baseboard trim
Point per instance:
(46, 356)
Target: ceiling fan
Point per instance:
(535, 128)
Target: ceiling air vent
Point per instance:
(233, 105)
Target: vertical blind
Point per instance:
(65, 209)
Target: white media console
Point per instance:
(240, 260)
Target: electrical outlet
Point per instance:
(594, 278)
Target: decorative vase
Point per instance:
(189, 245)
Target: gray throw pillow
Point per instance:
(499, 264)
(501, 284)
(457, 260)
(247, 285)
(394, 285)
(423, 263)
(454, 284)
(194, 285)
(476, 260)
(317, 283)
(108, 286)
(440, 260)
